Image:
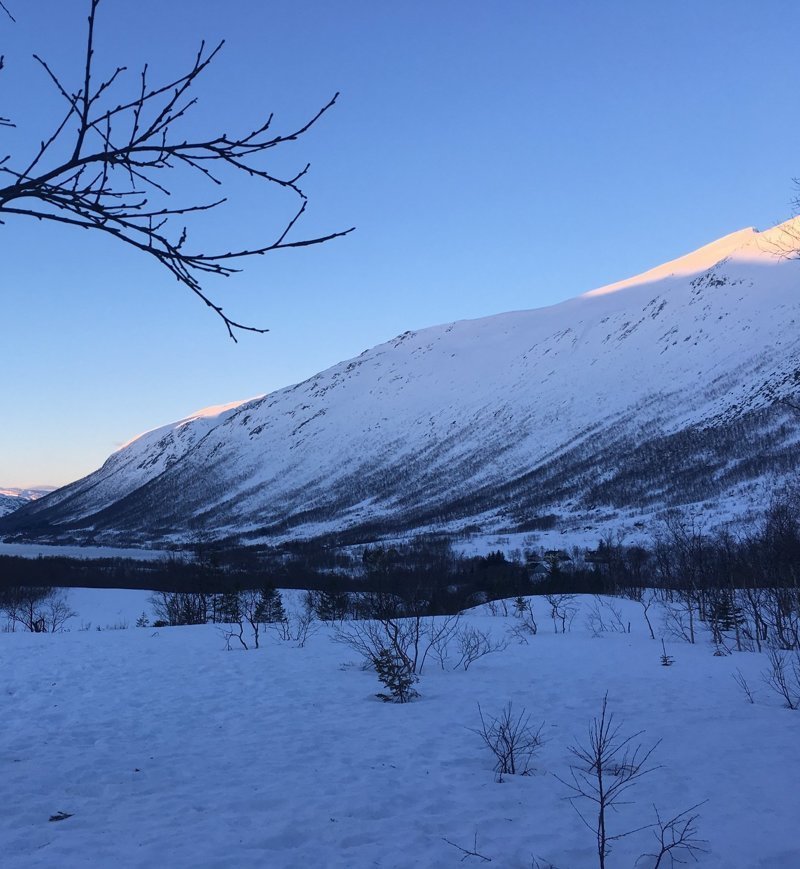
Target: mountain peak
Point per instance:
(595, 410)
(691, 263)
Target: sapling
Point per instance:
(738, 677)
(395, 673)
(604, 771)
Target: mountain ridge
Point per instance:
(13, 497)
(493, 422)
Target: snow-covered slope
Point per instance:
(659, 390)
(13, 498)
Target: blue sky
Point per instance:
(493, 156)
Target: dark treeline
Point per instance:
(748, 584)
(425, 563)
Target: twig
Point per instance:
(470, 853)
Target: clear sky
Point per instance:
(493, 156)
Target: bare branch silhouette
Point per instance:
(115, 176)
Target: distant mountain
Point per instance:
(662, 390)
(12, 499)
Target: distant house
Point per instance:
(556, 556)
(538, 570)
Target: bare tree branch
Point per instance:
(677, 837)
(469, 852)
(135, 140)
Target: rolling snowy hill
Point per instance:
(661, 390)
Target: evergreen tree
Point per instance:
(270, 606)
(331, 605)
(229, 608)
(395, 673)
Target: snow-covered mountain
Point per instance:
(657, 391)
(13, 498)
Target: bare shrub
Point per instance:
(680, 618)
(246, 611)
(181, 608)
(442, 632)
(296, 628)
(116, 626)
(782, 616)
(411, 638)
(604, 617)
(563, 610)
(754, 630)
(40, 610)
(57, 612)
(497, 607)
(474, 643)
(283, 629)
(525, 626)
(645, 597)
(783, 677)
(370, 637)
(231, 631)
(304, 625)
(512, 740)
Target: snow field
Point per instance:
(169, 751)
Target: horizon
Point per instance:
(491, 159)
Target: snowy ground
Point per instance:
(169, 751)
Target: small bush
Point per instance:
(474, 643)
(396, 675)
(513, 740)
(783, 676)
